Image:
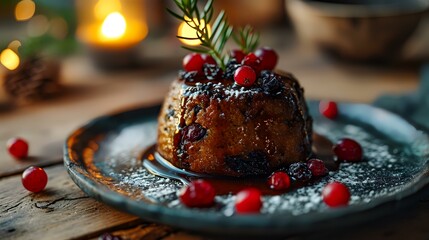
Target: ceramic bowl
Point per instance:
(357, 29)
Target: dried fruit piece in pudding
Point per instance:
(328, 109)
(34, 179)
(18, 148)
(317, 167)
(348, 150)
(268, 58)
(299, 172)
(248, 201)
(199, 193)
(279, 181)
(336, 194)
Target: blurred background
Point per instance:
(125, 52)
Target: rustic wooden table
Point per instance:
(63, 211)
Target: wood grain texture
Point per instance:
(62, 211)
(88, 94)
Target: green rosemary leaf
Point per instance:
(187, 38)
(208, 10)
(175, 15)
(220, 18)
(193, 49)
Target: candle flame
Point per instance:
(187, 31)
(114, 26)
(9, 59)
(104, 7)
(24, 10)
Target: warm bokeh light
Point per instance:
(38, 26)
(187, 31)
(14, 45)
(105, 7)
(9, 59)
(24, 10)
(59, 28)
(114, 26)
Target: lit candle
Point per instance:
(111, 26)
(185, 30)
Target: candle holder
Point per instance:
(111, 30)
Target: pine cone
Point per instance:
(34, 79)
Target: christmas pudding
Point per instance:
(232, 114)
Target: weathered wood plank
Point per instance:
(62, 211)
(46, 124)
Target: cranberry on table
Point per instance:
(268, 58)
(348, 150)
(34, 179)
(336, 194)
(279, 181)
(317, 167)
(328, 109)
(248, 201)
(237, 54)
(245, 76)
(18, 148)
(193, 62)
(198, 193)
(252, 61)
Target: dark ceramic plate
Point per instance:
(103, 159)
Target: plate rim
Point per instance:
(234, 224)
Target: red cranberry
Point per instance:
(237, 54)
(248, 201)
(252, 61)
(18, 148)
(193, 62)
(279, 181)
(245, 76)
(199, 193)
(207, 59)
(348, 150)
(268, 58)
(328, 109)
(336, 194)
(317, 167)
(34, 179)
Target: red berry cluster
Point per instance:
(249, 66)
(345, 149)
(201, 194)
(298, 172)
(34, 179)
(252, 65)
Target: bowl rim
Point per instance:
(344, 10)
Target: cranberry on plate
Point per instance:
(348, 150)
(248, 201)
(336, 194)
(198, 193)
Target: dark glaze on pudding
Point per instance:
(157, 165)
(221, 128)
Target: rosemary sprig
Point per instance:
(211, 43)
(247, 38)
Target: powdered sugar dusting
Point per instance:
(386, 169)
